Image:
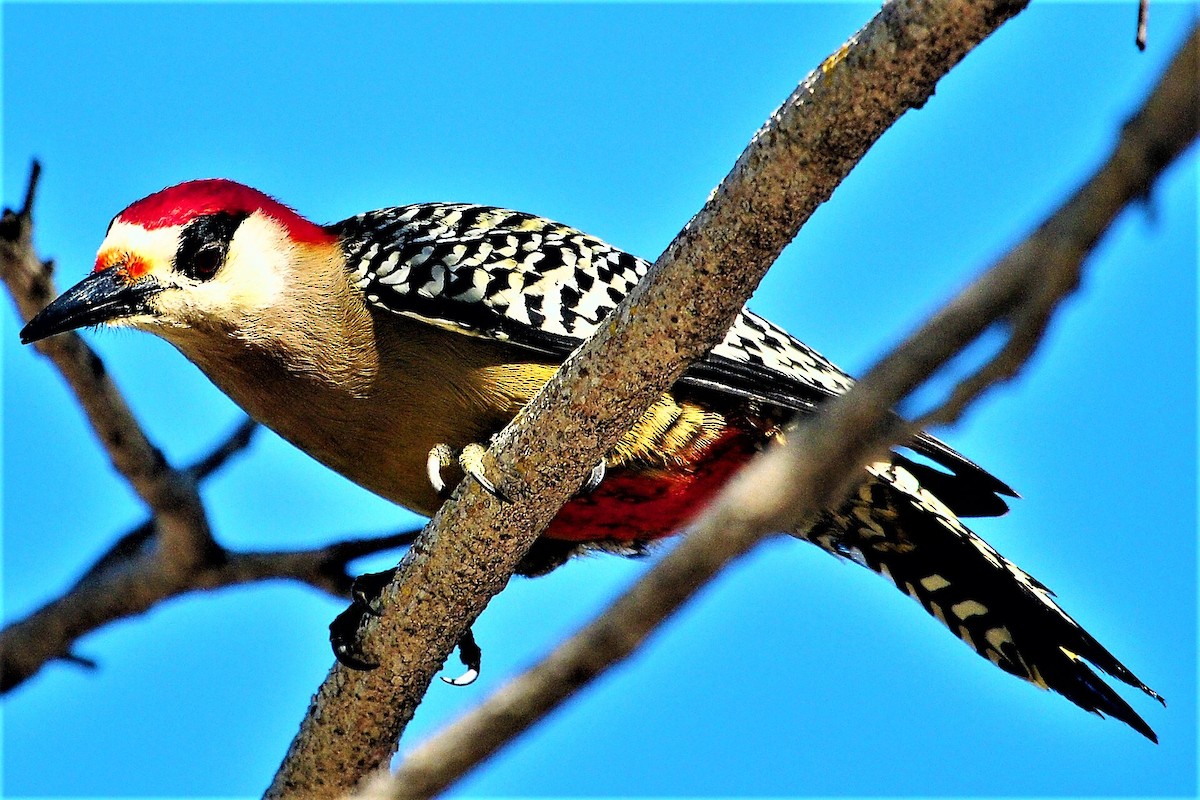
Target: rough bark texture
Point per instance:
(472, 545)
(789, 485)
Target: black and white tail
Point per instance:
(899, 529)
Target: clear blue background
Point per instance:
(794, 674)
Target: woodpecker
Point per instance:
(389, 345)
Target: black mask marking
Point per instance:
(205, 243)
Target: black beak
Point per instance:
(100, 297)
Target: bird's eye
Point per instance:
(204, 243)
(206, 262)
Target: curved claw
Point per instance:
(470, 655)
(343, 638)
(368, 606)
(343, 631)
(348, 658)
(466, 679)
(471, 461)
(594, 479)
(440, 456)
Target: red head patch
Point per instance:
(180, 204)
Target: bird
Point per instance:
(392, 345)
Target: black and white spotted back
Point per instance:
(537, 283)
(544, 286)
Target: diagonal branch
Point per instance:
(237, 441)
(1027, 292)
(786, 488)
(683, 307)
(132, 543)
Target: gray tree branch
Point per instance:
(788, 486)
(470, 548)
(132, 576)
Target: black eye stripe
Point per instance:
(204, 243)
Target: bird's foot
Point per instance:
(470, 461)
(440, 457)
(470, 655)
(368, 587)
(343, 631)
(344, 638)
(594, 478)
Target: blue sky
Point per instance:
(794, 674)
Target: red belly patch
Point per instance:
(639, 505)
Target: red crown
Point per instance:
(180, 204)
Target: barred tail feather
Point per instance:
(900, 530)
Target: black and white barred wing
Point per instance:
(898, 529)
(546, 286)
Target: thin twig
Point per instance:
(326, 568)
(81, 661)
(129, 581)
(1142, 23)
(789, 485)
(184, 535)
(1027, 292)
(35, 174)
(236, 442)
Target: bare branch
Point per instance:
(1025, 288)
(325, 568)
(35, 174)
(129, 580)
(184, 535)
(237, 441)
(684, 307)
(127, 547)
(789, 485)
(133, 575)
(173, 552)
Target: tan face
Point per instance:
(211, 270)
(214, 272)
